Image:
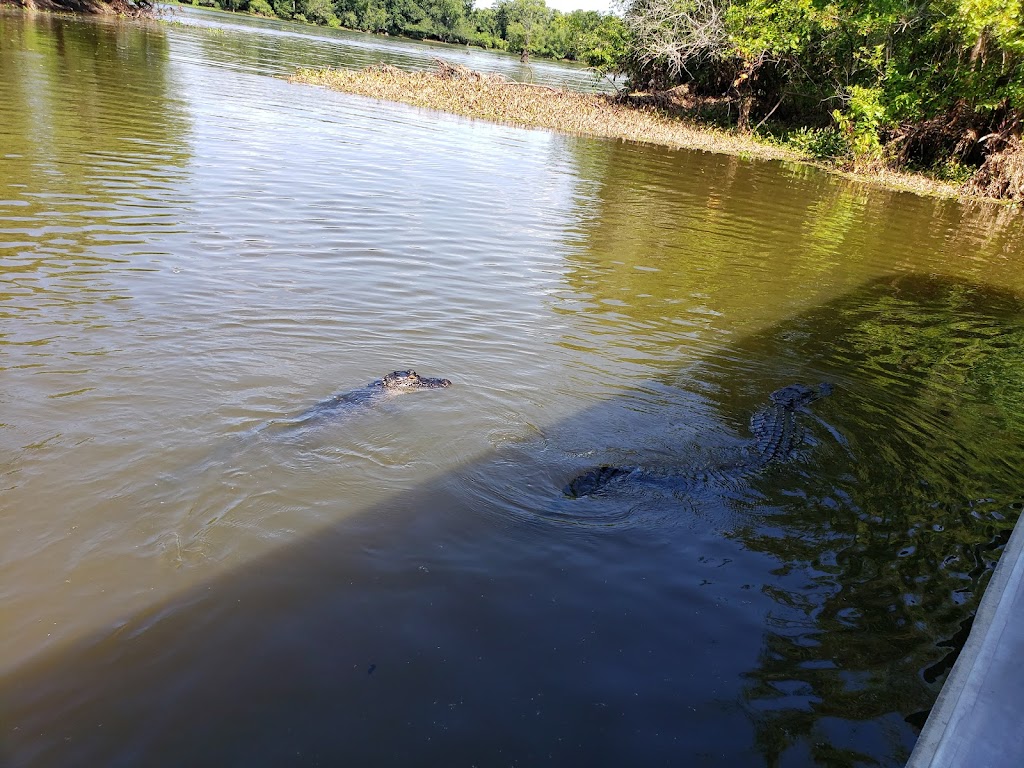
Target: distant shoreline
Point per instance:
(461, 91)
(419, 38)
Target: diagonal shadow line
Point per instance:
(433, 630)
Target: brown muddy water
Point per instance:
(191, 248)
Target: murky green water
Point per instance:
(190, 248)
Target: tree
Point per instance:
(673, 37)
(520, 22)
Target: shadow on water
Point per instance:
(806, 618)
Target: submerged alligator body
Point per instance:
(392, 384)
(331, 408)
(776, 436)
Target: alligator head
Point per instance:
(798, 395)
(400, 380)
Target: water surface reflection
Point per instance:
(244, 43)
(195, 251)
(805, 620)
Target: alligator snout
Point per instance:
(412, 380)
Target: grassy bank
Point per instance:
(490, 97)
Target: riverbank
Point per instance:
(129, 8)
(464, 92)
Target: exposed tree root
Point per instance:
(1002, 173)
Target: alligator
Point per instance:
(392, 384)
(776, 437)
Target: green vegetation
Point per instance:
(526, 27)
(935, 85)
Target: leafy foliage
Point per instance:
(526, 27)
(932, 84)
(261, 8)
(822, 143)
(922, 83)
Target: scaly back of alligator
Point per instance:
(392, 384)
(776, 435)
(329, 408)
(775, 428)
(332, 407)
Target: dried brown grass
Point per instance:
(656, 120)
(1002, 173)
(462, 91)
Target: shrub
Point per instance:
(261, 8)
(863, 121)
(821, 143)
(954, 171)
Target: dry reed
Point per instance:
(462, 91)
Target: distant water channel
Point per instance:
(190, 247)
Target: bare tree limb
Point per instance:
(677, 33)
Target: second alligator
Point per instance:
(776, 436)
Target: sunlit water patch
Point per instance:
(240, 42)
(191, 248)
